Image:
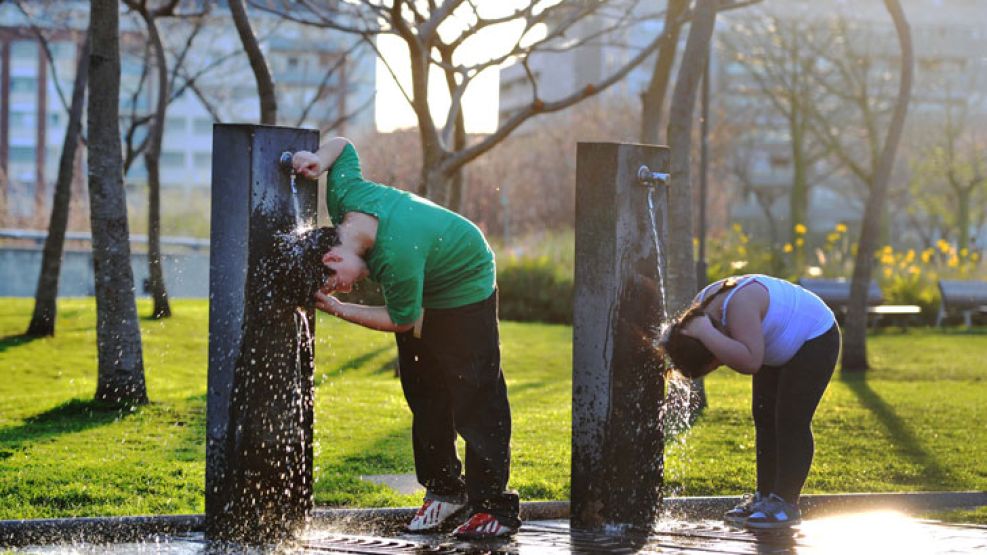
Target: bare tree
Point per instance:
(855, 334)
(681, 275)
(262, 73)
(152, 154)
(118, 339)
(781, 72)
(152, 145)
(653, 98)
(45, 309)
(435, 34)
(949, 185)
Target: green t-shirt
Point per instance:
(424, 255)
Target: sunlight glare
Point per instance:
(870, 532)
(481, 99)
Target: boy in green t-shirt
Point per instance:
(438, 277)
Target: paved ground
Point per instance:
(871, 533)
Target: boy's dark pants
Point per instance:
(453, 382)
(785, 399)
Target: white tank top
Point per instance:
(795, 315)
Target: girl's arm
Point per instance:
(741, 350)
(313, 164)
(373, 317)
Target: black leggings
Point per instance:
(785, 398)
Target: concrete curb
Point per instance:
(15, 533)
(826, 504)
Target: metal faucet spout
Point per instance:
(649, 178)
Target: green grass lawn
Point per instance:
(915, 422)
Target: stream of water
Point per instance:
(299, 223)
(675, 412)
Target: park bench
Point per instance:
(966, 296)
(836, 294)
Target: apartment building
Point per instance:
(321, 78)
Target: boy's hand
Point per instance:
(306, 164)
(327, 303)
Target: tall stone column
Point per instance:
(260, 385)
(617, 388)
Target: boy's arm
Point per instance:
(373, 317)
(313, 164)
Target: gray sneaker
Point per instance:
(773, 512)
(740, 513)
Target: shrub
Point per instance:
(534, 289)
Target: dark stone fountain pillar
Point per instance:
(259, 410)
(617, 388)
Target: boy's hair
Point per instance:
(300, 269)
(687, 354)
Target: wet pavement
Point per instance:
(871, 533)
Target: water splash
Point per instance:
(267, 456)
(304, 361)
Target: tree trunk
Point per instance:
(681, 287)
(855, 334)
(118, 340)
(963, 197)
(265, 82)
(799, 199)
(45, 309)
(653, 99)
(152, 158)
(439, 185)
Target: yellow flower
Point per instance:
(887, 272)
(799, 242)
(927, 255)
(975, 256)
(964, 251)
(887, 250)
(954, 261)
(943, 245)
(910, 256)
(742, 250)
(737, 228)
(787, 247)
(914, 270)
(841, 228)
(800, 229)
(833, 237)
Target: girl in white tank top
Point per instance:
(788, 340)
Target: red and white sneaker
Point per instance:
(481, 526)
(433, 514)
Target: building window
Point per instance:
(171, 159)
(175, 124)
(23, 120)
(201, 126)
(23, 85)
(22, 154)
(203, 160)
(24, 50)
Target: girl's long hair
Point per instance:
(687, 354)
